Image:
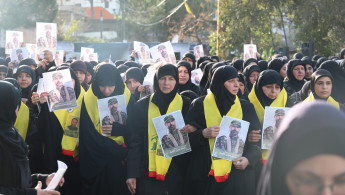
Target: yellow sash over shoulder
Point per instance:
(22, 121)
(92, 109)
(158, 165)
(330, 100)
(220, 168)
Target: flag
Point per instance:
(188, 8)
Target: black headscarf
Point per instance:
(3, 68)
(263, 65)
(276, 64)
(203, 65)
(306, 60)
(2, 61)
(215, 58)
(303, 93)
(202, 59)
(238, 64)
(224, 99)
(107, 75)
(192, 57)
(342, 53)
(267, 77)
(338, 89)
(119, 62)
(28, 61)
(90, 70)
(14, 164)
(190, 94)
(144, 69)
(27, 69)
(319, 62)
(205, 76)
(315, 76)
(298, 56)
(300, 136)
(131, 64)
(342, 65)
(247, 72)
(189, 84)
(290, 79)
(15, 83)
(248, 61)
(210, 73)
(134, 73)
(159, 98)
(122, 68)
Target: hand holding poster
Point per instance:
(163, 52)
(60, 88)
(198, 51)
(172, 139)
(14, 40)
(142, 51)
(250, 51)
(112, 109)
(229, 143)
(46, 36)
(272, 119)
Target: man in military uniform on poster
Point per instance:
(175, 137)
(231, 143)
(61, 93)
(269, 131)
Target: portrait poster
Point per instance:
(19, 54)
(173, 140)
(249, 51)
(85, 53)
(229, 143)
(163, 52)
(198, 51)
(196, 76)
(112, 109)
(58, 57)
(143, 52)
(272, 119)
(32, 51)
(40, 89)
(46, 34)
(93, 57)
(60, 88)
(14, 40)
(148, 82)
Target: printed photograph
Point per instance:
(163, 52)
(46, 36)
(72, 127)
(32, 51)
(85, 53)
(198, 51)
(19, 54)
(272, 119)
(59, 57)
(143, 52)
(60, 88)
(249, 51)
(196, 76)
(173, 140)
(14, 40)
(229, 143)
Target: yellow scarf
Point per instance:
(220, 168)
(92, 109)
(280, 101)
(158, 165)
(22, 121)
(330, 100)
(71, 134)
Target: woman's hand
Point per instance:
(141, 89)
(51, 176)
(45, 192)
(106, 130)
(132, 185)
(35, 98)
(241, 163)
(43, 97)
(254, 136)
(211, 132)
(189, 129)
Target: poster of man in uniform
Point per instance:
(112, 110)
(60, 88)
(229, 143)
(142, 51)
(173, 140)
(93, 57)
(198, 51)
(250, 51)
(14, 40)
(196, 76)
(59, 57)
(163, 52)
(148, 83)
(46, 36)
(32, 51)
(19, 54)
(272, 119)
(85, 53)
(71, 128)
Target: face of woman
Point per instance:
(81, 76)
(321, 174)
(253, 77)
(166, 84)
(24, 80)
(132, 84)
(271, 91)
(183, 75)
(283, 71)
(241, 86)
(89, 77)
(232, 85)
(309, 71)
(107, 90)
(298, 72)
(323, 87)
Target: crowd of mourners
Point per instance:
(307, 155)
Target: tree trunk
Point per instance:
(282, 23)
(92, 10)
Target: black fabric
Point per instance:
(224, 99)
(2, 61)
(319, 62)
(298, 56)
(293, 85)
(190, 94)
(315, 58)
(131, 64)
(144, 68)
(107, 75)
(28, 61)
(263, 65)
(247, 72)
(203, 65)
(248, 61)
(3, 68)
(304, 91)
(192, 57)
(306, 60)
(134, 73)
(90, 70)
(205, 76)
(14, 164)
(276, 64)
(15, 83)
(338, 90)
(122, 68)
(210, 74)
(119, 62)
(203, 59)
(267, 77)
(189, 85)
(159, 98)
(342, 65)
(27, 69)
(238, 64)
(299, 124)
(215, 58)
(342, 53)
